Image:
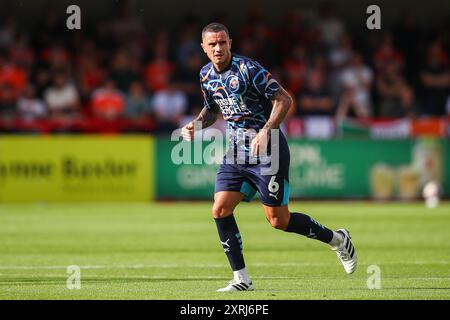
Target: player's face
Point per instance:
(217, 46)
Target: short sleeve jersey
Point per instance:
(243, 92)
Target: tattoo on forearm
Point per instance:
(281, 104)
(207, 117)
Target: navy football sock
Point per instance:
(231, 241)
(305, 225)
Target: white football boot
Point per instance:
(346, 252)
(237, 285)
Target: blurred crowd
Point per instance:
(118, 70)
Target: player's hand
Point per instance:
(259, 143)
(187, 132)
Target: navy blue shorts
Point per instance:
(247, 179)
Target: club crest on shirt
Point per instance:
(234, 83)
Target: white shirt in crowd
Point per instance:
(31, 108)
(169, 103)
(60, 98)
(355, 77)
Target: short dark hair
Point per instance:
(214, 27)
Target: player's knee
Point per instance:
(221, 211)
(278, 223)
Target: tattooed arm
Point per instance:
(281, 102)
(206, 118)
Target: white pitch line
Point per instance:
(163, 266)
(211, 265)
(155, 277)
(163, 278)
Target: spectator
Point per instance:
(339, 57)
(7, 103)
(22, 54)
(160, 68)
(90, 75)
(188, 43)
(108, 103)
(137, 103)
(169, 105)
(12, 76)
(295, 69)
(133, 38)
(356, 81)
(386, 54)
(396, 96)
(292, 31)
(50, 30)
(8, 32)
(341, 54)
(42, 80)
(186, 79)
(408, 38)
(56, 57)
(62, 97)
(435, 79)
(125, 27)
(29, 107)
(330, 26)
(316, 98)
(122, 72)
(256, 37)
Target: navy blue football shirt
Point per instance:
(243, 92)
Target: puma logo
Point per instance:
(225, 243)
(311, 234)
(274, 195)
(226, 246)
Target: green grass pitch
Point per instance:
(171, 251)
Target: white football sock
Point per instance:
(241, 275)
(337, 239)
